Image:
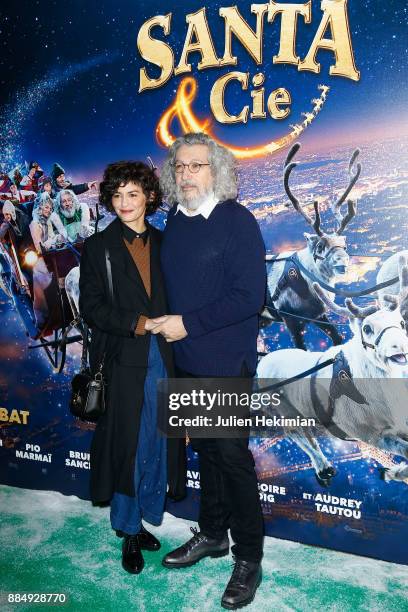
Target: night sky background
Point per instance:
(69, 77)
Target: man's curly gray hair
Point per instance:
(222, 163)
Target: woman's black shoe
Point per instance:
(132, 558)
(147, 540)
(246, 578)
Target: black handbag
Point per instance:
(88, 392)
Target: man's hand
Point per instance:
(169, 326)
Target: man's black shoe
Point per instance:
(132, 558)
(147, 540)
(246, 578)
(198, 547)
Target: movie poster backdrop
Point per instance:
(311, 99)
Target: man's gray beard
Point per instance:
(193, 203)
(68, 214)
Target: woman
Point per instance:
(128, 456)
(47, 232)
(46, 227)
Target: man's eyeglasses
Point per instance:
(193, 167)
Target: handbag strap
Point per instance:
(109, 273)
(85, 341)
(110, 285)
(85, 337)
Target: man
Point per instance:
(14, 232)
(45, 184)
(213, 261)
(16, 221)
(75, 215)
(15, 175)
(18, 195)
(59, 182)
(30, 180)
(5, 182)
(23, 199)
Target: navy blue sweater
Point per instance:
(215, 277)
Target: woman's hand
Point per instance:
(152, 323)
(171, 327)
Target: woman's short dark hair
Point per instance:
(121, 173)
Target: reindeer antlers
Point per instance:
(403, 277)
(344, 220)
(351, 212)
(350, 311)
(289, 165)
(292, 153)
(402, 298)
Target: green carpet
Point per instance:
(53, 543)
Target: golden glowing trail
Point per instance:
(181, 109)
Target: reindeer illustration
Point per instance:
(308, 118)
(388, 271)
(296, 129)
(318, 103)
(324, 89)
(323, 260)
(362, 395)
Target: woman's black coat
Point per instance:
(114, 443)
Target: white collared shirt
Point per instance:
(205, 209)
